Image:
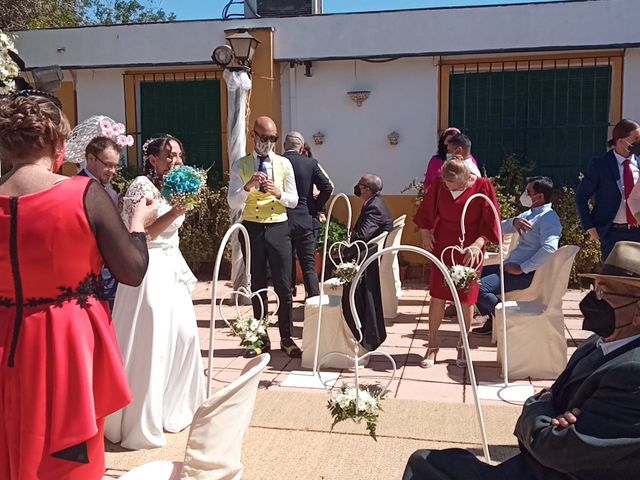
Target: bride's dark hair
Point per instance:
(154, 147)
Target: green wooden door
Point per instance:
(190, 111)
(554, 119)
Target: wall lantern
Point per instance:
(242, 46)
(359, 96)
(318, 138)
(393, 137)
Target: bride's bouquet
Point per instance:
(463, 277)
(345, 273)
(251, 332)
(183, 185)
(342, 406)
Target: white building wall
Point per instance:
(631, 84)
(100, 92)
(404, 98)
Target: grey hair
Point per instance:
(293, 141)
(372, 181)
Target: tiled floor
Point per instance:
(406, 343)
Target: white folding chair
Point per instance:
(215, 439)
(390, 285)
(509, 243)
(536, 341)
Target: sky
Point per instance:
(199, 9)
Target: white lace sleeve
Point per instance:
(140, 187)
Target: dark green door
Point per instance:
(554, 119)
(189, 111)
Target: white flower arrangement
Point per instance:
(251, 332)
(8, 68)
(345, 273)
(463, 277)
(342, 406)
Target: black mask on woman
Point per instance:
(635, 149)
(599, 315)
(356, 190)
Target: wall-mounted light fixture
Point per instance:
(359, 96)
(318, 138)
(393, 137)
(242, 46)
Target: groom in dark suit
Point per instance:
(587, 425)
(609, 180)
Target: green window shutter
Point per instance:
(190, 111)
(555, 119)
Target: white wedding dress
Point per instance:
(158, 338)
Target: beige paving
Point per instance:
(445, 387)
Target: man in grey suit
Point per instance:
(587, 425)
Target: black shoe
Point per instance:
(485, 329)
(252, 352)
(288, 346)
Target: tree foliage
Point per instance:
(32, 14)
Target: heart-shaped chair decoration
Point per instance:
(340, 247)
(244, 292)
(452, 249)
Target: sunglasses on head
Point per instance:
(266, 138)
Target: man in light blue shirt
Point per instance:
(540, 230)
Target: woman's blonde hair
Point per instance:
(456, 170)
(29, 125)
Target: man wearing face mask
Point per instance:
(540, 231)
(375, 217)
(460, 144)
(263, 183)
(608, 181)
(587, 425)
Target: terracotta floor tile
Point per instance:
(430, 391)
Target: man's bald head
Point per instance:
(265, 126)
(294, 141)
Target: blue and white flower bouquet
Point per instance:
(183, 185)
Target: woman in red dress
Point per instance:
(439, 221)
(61, 372)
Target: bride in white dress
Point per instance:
(156, 323)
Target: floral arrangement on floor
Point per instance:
(8, 68)
(342, 406)
(345, 273)
(463, 277)
(251, 332)
(183, 184)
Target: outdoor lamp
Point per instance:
(244, 46)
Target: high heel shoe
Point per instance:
(461, 361)
(428, 362)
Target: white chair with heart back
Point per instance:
(217, 431)
(535, 322)
(390, 285)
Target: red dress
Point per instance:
(61, 372)
(441, 213)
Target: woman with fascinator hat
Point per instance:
(155, 322)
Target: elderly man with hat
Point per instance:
(587, 425)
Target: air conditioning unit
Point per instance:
(281, 8)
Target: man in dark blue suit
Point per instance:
(308, 174)
(609, 180)
(103, 160)
(587, 425)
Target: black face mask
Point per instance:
(599, 315)
(635, 149)
(356, 190)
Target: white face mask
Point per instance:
(456, 193)
(449, 156)
(263, 148)
(525, 200)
